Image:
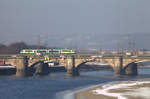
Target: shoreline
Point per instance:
(116, 90)
(71, 94)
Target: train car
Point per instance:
(28, 51)
(61, 51)
(42, 52)
(54, 51)
(67, 51)
(46, 51)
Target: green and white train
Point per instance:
(46, 51)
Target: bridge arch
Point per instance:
(83, 63)
(131, 67)
(139, 62)
(34, 65)
(39, 68)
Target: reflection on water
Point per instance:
(47, 87)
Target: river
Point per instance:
(56, 85)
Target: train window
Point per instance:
(28, 50)
(41, 51)
(54, 51)
(66, 50)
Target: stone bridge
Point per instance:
(120, 64)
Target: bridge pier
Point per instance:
(21, 66)
(42, 69)
(118, 70)
(71, 70)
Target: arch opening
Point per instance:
(39, 68)
(94, 65)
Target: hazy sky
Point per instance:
(75, 23)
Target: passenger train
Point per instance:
(46, 51)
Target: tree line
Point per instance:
(16, 47)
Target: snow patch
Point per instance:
(142, 92)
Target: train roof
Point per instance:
(46, 49)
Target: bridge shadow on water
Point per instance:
(9, 71)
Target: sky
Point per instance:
(76, 23)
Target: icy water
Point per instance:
(55, 85)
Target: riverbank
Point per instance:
(117, 90)
(71, 94)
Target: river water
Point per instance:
(55, 85)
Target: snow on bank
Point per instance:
(138, 92)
